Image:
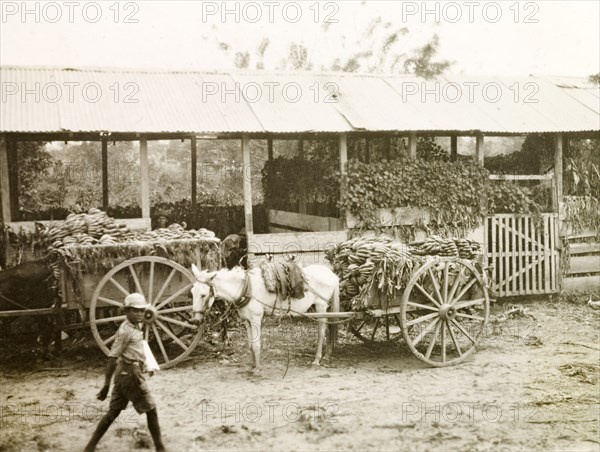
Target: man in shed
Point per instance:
(126, 360)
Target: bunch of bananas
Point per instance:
(449, 247)
(81, 229)
(366, 263)
(175, 232)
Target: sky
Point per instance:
(480, 37)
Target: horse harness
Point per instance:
(243, 298)
(245, 295)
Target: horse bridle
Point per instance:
(239, 301)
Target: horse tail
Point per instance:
(335, 307)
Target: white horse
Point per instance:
(248, 293)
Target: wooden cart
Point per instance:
(91, 296)
(441, 312)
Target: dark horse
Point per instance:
(29, 286)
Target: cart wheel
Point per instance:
(444, 310)
(167, 324)
(372, 329)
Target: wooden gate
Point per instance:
(522, 253)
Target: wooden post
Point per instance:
(412, 146)
(13, 177)
(343, 151)
(558, 171)
(479, 141)
(247, 174)
(302, 194)
(193, 150)
(104, 174)
(144, 178)
(270, 148)
(4, 181)
(453, 148)
(367, 150)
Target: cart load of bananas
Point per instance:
(449, 247)
(97, 228)
(378, 268)
(94, 242)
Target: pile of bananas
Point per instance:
(97, 228)
(175, 232)
(363, 264)
(437, 246)
(92, 228)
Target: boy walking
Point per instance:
(126, 361)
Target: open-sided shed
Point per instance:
(65, 104)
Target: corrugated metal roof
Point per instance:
(142, 101)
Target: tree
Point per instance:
(379, 49)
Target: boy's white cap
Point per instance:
(135, 300)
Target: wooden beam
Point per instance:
(295, 242)
(412, 146)
(520, 177)
(479, 141)
(144, 178)
(4, 181)
(194, 151)
(13, 176)
(343, 151)
(25, 312)
(104, 174)
(270, 148)
(558, 170)
(302, 194)
(453, 148)
(247, 174)
(298, 222)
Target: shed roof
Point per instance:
(56, 100)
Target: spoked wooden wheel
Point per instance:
(167, 326)
(444, 310)
(372, 329)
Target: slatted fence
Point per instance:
(522, 251)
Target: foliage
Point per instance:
(57, 179)
(428, 149)
(581, 170)
(421, 62)
(380, 48)
(582, 213)
(594, 78)
(508, 197)
(285, 181)
(34, 162)
(451, 190)
(535, 157)
(581, 178)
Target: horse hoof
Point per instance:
(316, 363)
(256, 372)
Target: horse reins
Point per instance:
(13, 302)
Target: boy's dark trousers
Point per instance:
(130, 385)
(107, 420)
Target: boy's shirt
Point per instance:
(128, 345)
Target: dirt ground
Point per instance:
(533, 385)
